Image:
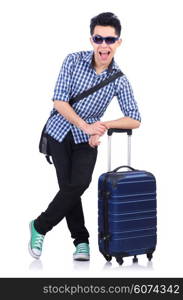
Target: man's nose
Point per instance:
(104, 44)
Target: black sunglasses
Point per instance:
(98, 39)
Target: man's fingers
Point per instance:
(90, 142)
(100, 126)
(93, 142)
(97, 128)
(101, 131)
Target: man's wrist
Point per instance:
(107, 124)
(83, 125)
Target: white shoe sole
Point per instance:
(81, 257)
(29, 246)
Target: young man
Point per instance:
(74, 132)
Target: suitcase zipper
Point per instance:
(106, 235)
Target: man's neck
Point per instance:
(100, 69)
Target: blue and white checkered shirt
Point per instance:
(77, 75)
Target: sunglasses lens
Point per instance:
(110, 40)
(97, 39)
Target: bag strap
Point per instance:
(95, 88)
(91, 90)
(86, 94)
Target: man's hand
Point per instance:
(97, 128)
(94, 140)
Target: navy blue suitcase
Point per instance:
(127, 217)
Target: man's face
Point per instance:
(104, 52)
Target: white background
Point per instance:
(36, 36)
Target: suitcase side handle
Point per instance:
(112, 130)
(132, 169)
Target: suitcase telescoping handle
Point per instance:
(110, 132)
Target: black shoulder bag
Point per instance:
(43, 143)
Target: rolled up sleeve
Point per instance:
(63, 85)
(126, 99)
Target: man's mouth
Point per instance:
(104, 54)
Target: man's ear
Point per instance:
(91, 41)
(119, 42)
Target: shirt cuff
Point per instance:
(134, 115)
(61, 96)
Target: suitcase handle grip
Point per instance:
(112, 130)
(132, 169)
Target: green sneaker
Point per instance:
(36, 242)
(82, 252)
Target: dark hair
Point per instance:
(106, 19)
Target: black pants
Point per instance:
(74, 164)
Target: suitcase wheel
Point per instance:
(149, 256)
(119, 260)
(135, 259)
(107, 257)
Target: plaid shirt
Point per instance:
(77, 75)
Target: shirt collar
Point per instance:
(89, 59)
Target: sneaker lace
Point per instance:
(82, 248)
(39, 241)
